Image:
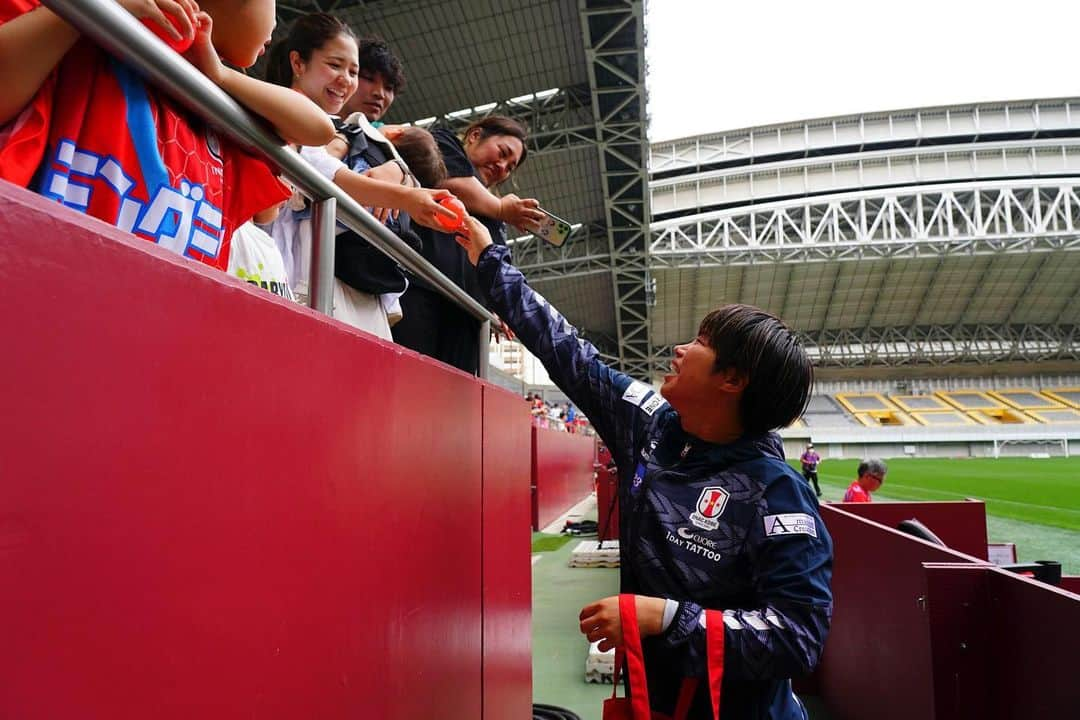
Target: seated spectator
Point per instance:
(487, 155)
(871, 476)
(65, 100)
(319, 58)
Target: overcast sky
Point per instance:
(719, 65)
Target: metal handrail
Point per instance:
(118, 32)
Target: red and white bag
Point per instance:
(636, 707)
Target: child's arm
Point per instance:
(32, 45)
(519, 212)
(295, 118)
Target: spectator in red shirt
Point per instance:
(871, 477)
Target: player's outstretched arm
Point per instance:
(571, 361)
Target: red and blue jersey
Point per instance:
(103, 142)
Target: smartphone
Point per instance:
(553, 229)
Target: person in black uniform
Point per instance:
(491, 150)
(710, 514)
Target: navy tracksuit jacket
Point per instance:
(726, 527)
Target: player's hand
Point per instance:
(202, 53)
(183, 11)
(522, 213)
(474, 237)
(600, 621)
(501, 330)
(423, 206)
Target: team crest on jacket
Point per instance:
(710, 505)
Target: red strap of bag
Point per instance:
(631, 653)
(635, 657)
(714, 649)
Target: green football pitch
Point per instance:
(1034, 503)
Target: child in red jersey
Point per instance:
(871, 476)
(84, 129)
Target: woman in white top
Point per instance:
(319, 59)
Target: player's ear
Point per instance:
(730, 380)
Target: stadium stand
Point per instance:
(1064, 415)
(1023, 399)
(1068, 396)
(919, 402)
(945, 418)
(824, 411)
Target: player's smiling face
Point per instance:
(691, 372)
(329, 78)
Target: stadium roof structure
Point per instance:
(920, 238)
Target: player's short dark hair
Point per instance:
(779, 373)
(377, 57)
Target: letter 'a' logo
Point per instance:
(711, 502)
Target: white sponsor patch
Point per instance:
(636, 392)
(653, 404)
(790, 524)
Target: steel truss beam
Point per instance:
(585, 252)
(614, 49)
(557, 120)
(981, 218)
(931, 345)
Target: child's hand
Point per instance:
(202, 53)
(176, 17)
(423, 207)
(474, 237)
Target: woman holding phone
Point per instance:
(485, 156)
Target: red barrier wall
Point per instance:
(960, 525)
(1071, 583)
(1003, 646)
(507, 546)
(562, 473)
(217, 504)
(877, 657)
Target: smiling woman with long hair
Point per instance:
(480, 160)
